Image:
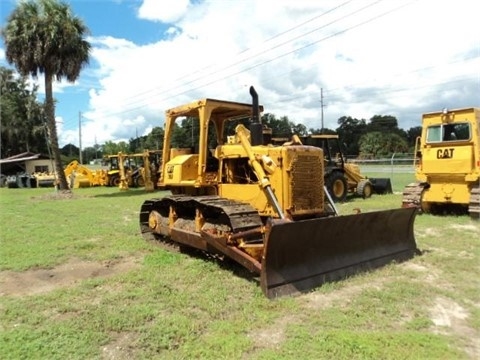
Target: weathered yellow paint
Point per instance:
(449, 161)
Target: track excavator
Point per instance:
(265, 206)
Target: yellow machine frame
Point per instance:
(264, 206)
(81, 176)
(447, 162)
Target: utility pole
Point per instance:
(321, 106)
(96, 147)
(80, 135)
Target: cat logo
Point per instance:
(170, 169)
(445, 153)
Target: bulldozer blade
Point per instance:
(381, 185)
(302, 255)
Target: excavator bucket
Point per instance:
(304, 254)
(381, 185)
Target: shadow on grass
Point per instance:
(116, 193)
(224, 263)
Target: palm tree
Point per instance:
(45, 37)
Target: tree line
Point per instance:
(45, 37)
(23, 128)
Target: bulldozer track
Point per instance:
(219, 211)
(474, 206)
(412, 195)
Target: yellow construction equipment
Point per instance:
(45, 179)
(133, 170)
(342, 177)
(447, 164)
(265, 206)
(80, 176)
(113, 172)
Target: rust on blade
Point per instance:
(302, 255)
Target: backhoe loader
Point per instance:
(265, 206)
(342, 177)
(133, 170)
(81, 176)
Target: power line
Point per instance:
(142, 101)
(145, 101)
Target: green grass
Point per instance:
(174, 306)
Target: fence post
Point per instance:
(391, 165)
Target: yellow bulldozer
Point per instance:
(447, 164)
(265, 206)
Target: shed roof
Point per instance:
(25, 156)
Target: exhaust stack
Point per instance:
(256, 128)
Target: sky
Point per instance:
(355, 58)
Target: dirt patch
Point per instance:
(447, 312)
(449, 317)
(56, 195)
(272, 336)
(343, 296)
(32, 282)
(429, 275)
(428, 232)
(120, 348)
(468, 227)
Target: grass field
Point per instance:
(77, 281)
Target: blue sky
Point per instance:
(390, 57)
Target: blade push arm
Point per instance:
(264, 182)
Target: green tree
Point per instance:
(382, 123)
(299, 129)
(181, 136)
(395, 143)
(45, 37)
(385, 123)
(154, 140)
(136, 145)
(280, 127)
(319, 131)
(380, 144)
(189, 132)
(412, 135)
(350, 131)
(89, 153)
(283, 127)
(110, 148)
(22, 125)
(123, 146)
(70, 151)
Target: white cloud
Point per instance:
(166, 11)
(389, 58)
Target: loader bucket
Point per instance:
(302, 255)
(381, 185)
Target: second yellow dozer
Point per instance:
(265, 206)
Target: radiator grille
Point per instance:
(306, 183)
